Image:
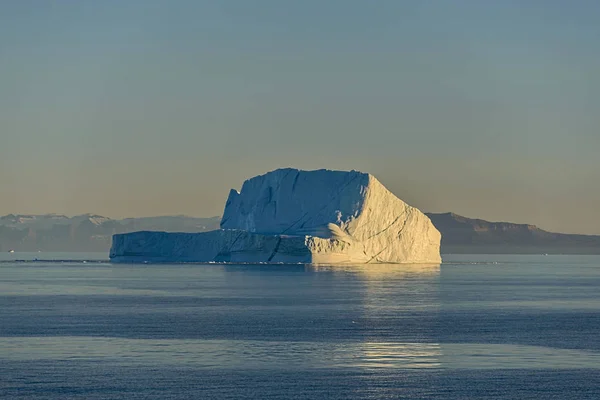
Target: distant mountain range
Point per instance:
(465, 235)
(91, 233)
(87, 233)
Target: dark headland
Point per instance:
(462, 235)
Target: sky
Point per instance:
(125, 108)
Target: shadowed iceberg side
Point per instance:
(294, 216)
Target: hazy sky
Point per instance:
(489, 109)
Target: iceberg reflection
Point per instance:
(379, 271)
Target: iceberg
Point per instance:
(294, 216)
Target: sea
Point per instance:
(75, 326)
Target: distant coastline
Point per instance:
(460, 235)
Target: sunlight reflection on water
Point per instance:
(301, 355)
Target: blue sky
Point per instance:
(130, 108)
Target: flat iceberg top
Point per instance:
(295, 202)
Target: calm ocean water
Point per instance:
(498, 327)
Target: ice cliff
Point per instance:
(294, 216)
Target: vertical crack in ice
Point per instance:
(295, 181)
(275, 249)
(236, 239)
(275, 190)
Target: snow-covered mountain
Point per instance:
(87, 232)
